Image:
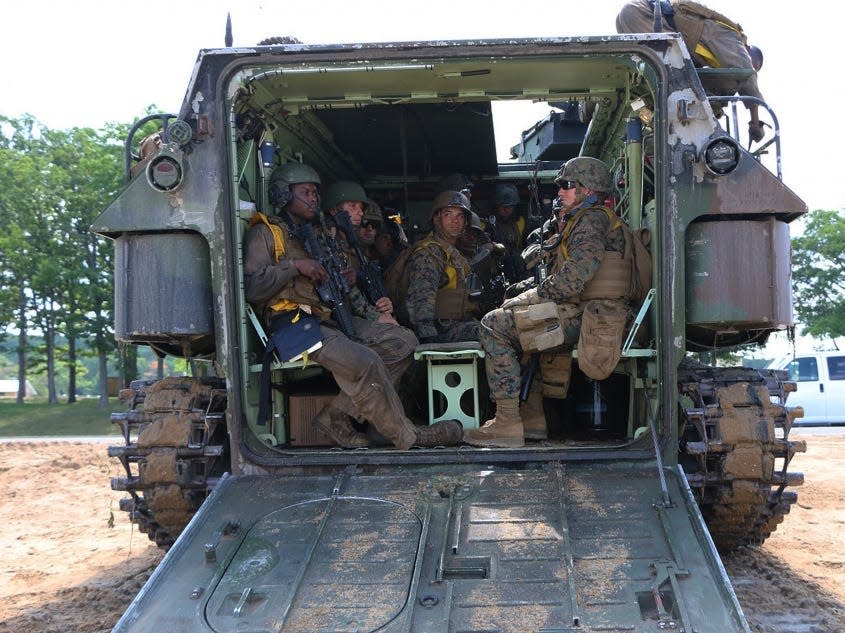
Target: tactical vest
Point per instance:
(301, 291)
(452, 301)
(614, 277)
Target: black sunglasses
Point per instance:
(368, 225)
(567, 184)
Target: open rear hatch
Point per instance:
(559, 548)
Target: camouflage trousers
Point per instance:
(368, 373)
(499, 337)
(455, 331)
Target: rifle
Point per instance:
(528, 376)
(333, 290)
(370, 270)
(489, 288)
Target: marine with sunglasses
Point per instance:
(585, 263)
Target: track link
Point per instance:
(175, 448)
(735, 449)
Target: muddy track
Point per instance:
(736, 451)
(175, 446)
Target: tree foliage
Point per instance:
(57, 278)
(818, 274)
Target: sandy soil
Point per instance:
(72, 562)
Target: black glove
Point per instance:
(756, 132)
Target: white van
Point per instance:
(820, 377)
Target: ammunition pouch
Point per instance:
(556, 371)
(538, 326)
(600, 343)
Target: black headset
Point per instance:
(279, 197)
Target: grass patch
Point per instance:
(38, 418)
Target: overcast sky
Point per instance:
(87, 62)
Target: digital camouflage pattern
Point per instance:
(587, 242)
(426, 276)
(589, 171)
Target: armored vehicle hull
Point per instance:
(600, 526)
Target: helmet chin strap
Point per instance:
(313, 207)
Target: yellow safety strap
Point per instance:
(707, 55)
(283, 305)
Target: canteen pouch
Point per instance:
(600, 342)
(538, 326)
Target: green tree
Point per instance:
(87, 166)
(20, 194)
(56, 274)
(818, 274)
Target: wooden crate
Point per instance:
(303, 409)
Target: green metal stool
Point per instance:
(452, 372)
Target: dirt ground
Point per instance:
(72, 562)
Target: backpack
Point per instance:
(396, 281)
(638, 241)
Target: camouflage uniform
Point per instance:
(427, 277)
(586, 245)
(366, 370)
(587, 263)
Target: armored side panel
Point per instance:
(737, 278)
(162, 288)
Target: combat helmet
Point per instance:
(451, 199)
(504, 195)
(589, 171)
(284, 176)
(342, 190)
(372, 212)
(475, 221)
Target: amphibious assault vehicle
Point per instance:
(611, 524)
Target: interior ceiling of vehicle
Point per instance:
(409, 139)
(413, 118)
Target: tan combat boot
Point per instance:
(533, 416)
(338, 426)
(504, 430)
